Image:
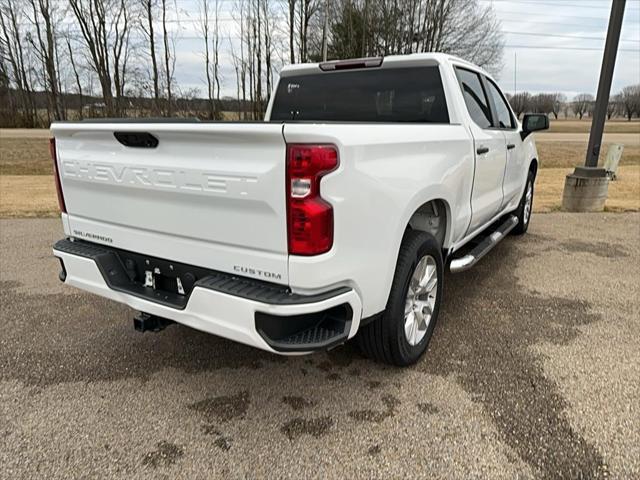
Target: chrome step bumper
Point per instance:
(470, 259)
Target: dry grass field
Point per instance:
(25, 156)
(27, 188)
(28, 196)
(568, 154)
(583, 126)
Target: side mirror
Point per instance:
(532, 122)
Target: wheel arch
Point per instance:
(434, 217)
(418, 217)
(533, 166)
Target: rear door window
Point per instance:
(413, 94)
(505, 119)
(474, 97)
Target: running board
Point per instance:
(470, 259)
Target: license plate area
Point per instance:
(164, 283)
(160, 275)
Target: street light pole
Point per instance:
(604, 84)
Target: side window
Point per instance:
(474, 97)
(505, 120)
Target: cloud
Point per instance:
(570, 65)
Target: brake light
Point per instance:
(351, 63)
(309, 216)
(56, 174)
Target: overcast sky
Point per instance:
(572, 32)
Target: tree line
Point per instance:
(124, 51)
(117, 58)
(625, 103)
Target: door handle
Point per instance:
(136, 139)
(511, 146)
(482, 150)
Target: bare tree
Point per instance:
(582, 103)
(13, 53)
(216, 49)
(308, 8)
(268, 45)
(91, 16)
(76, 76)
(292, 27)
(381, 27)
(240, 61)
(630, 100)
(542, 103)
(147, 29)
(253, 42)
(467, 29)
(120, 52)
(205, 7)
(521, 102)
(613, 107)
(45, 48)
(212, 54)
(169, 57)
(239, 57)
(559, 100)
(7, 105)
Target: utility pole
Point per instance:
(586, 189)
(604, 84)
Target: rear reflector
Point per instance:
(56, 174)
(309, 216)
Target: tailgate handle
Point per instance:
(136, 139)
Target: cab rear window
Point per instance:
(412, 94)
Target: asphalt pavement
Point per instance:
(533, 372)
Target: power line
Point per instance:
(557, 3)
(505, 45)
(559, 35)
(231, 19)
(520, 21)
(555, 15)
(540, 47)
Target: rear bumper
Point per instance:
(247, 314)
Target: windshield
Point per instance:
(413, 94)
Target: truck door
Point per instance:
(516, 170)
(490, 150)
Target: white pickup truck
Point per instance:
(334, 218)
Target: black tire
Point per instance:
(523, 221)
(384, 339)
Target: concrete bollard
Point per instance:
(585, 190)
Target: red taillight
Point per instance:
(56, 174)
(309, 217)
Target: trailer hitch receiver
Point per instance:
(145, 322)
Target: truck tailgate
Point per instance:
(211, 195)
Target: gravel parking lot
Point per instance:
(533, 372)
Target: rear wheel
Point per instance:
(525, 207)
(401, 334)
